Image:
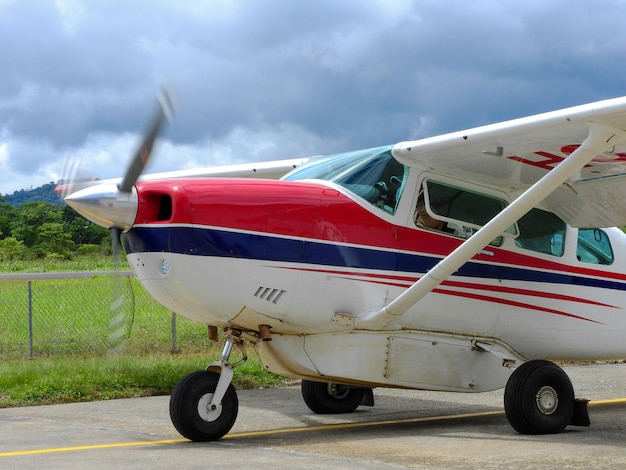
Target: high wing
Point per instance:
(513, 155)
(571, 161)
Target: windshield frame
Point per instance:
(373, 175)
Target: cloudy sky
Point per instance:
(261, 80)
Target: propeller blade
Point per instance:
(142, 156)
(116, 234)
(115, 207)
(122, 299)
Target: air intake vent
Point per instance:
(269, 294)
(165, 208)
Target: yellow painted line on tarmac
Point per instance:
(324, 427)
(327, 427)
(608, 402)
(97, 446)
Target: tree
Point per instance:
(53, 238)
(12, 249)
(7, 216)
(44, 229)
(83, 231)
(30, 217)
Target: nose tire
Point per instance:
(190, 409)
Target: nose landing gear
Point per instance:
(204, 404)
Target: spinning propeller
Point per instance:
(114, 206)
(139, 162)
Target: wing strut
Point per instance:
(601, 138)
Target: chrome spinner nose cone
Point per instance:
(105, 205)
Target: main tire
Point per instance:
(189, 409)
(539, 398)
(328, 398)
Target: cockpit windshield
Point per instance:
(372, 174)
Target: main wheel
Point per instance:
(328, 398)
(190, 411)
(539, 398)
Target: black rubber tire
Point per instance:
(325, 398)
(185, 414)
(523, 398)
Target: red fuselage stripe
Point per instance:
(388, 280)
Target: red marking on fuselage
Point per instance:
(406, 281)
(513, 303)
(391, 280)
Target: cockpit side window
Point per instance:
(541, 231)
(373, 175)
(378, 182)
(594, 247)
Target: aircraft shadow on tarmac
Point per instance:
(407, 414)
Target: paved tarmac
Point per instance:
(275, 429)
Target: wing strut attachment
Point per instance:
(601, 138)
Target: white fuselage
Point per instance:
(521, 318)
(306, 258)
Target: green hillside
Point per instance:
(43, 193)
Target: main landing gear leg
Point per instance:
(204, 404)
(330, 398)
(539, 399)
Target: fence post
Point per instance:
(173, 332)
(30, 320)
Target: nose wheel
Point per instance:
(204, 404)
(192, 412)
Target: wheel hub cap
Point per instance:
(547, 400)
(338, 392)
(206, 411)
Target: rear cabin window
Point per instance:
(541, 231)
(594, 247)
(457, 211)
(473, 208)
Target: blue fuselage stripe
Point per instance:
(203, 241)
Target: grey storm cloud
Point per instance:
(268, 79)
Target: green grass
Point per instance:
(74, 317)
(48, 265)
(47, 381)
(72, 346)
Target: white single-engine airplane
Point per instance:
(464, 262)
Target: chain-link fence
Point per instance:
(58, 314)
